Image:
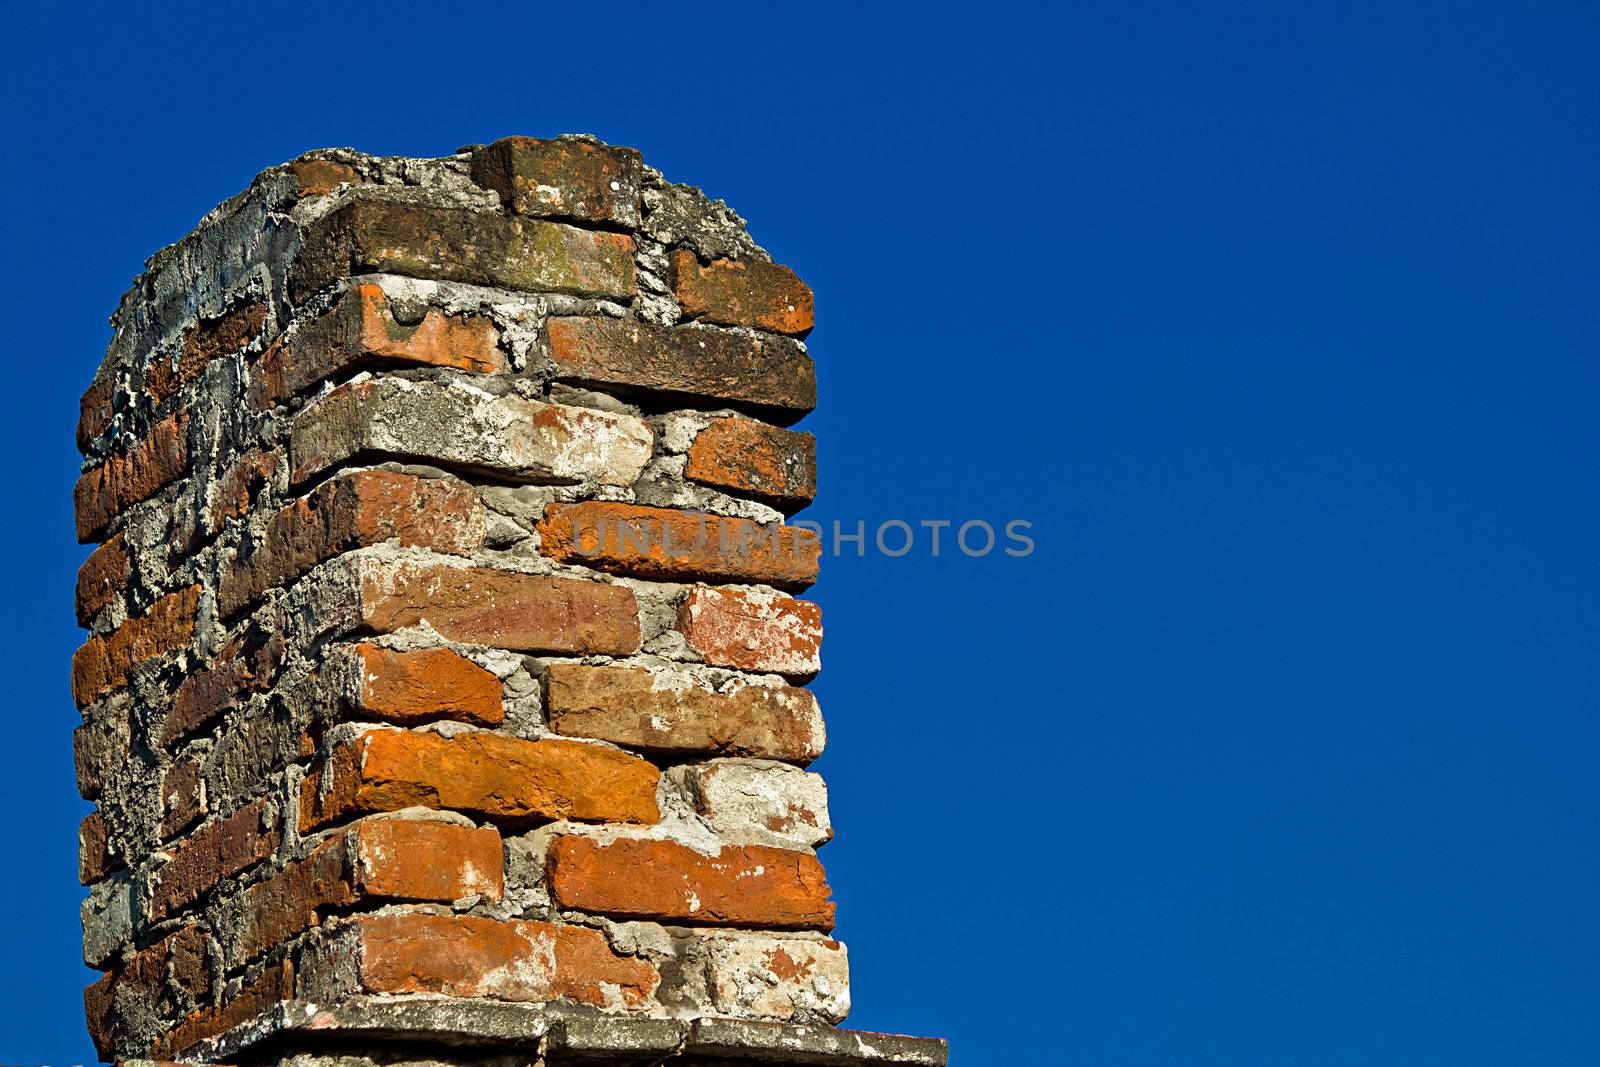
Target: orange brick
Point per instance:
(502, 609)
(753, 631)
(350, 512)
(102, 578)
(469, 956)
(743, 292)
(95, 409)
(203, 342)
(273, 984)
(319, 177)
(486, 775)
(105, 491)
(679, 546)
(744, 456)
(106, 661)
(663, 881)
(237, 491)
(428, 684)
(625, 706)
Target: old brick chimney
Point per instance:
(442, 699)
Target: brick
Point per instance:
(698, 363)
(247, 664)
(410, 688)
(468, 956)
(106, 916)
(219, 850)
(236, 492)
(788, 979)
(663, 881)
(562, 178)
(754, 802)
(490, 776)
(753, 630)
(374, 861)
(743, 292)
(639, 709)
(102, 578)
(501, 609)
(371, 236)
(232, 330)
(776, 466)
(273, 984)
(106, 661)
(98, 747)
(95, 409)
(361, 331)
(319, 177)
(679, 546)
(96, 855)
(183, 796)
(105, 491)
(354, 511)
(174, 970)
(455, 425)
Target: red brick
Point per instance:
(501, 609)
(468, 956)
(679, 546)
(700, 363)
(753, 631)
(237, 491)
(173, 970)
(102, 578)
(95, 409)
(627, 706)
(354, 511)
(432, 683)
(562, 178)
(374, 861)
(319, 177)
(490, 776)
(273, 984)
(743, 292)
(776, 466)
(106, 661)
(183, 800)
(104, 492)
(218, 850)
(247, 664)
(663, 881)
(361, 331)
(371, 236)
(96, 856)
(203, 342)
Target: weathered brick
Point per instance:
(107, 660)
(663, 881)
(97, 856)
(247, 664)
(319, 177)
(456, 425)
(174, 970)
(562, 178)
(417, 687)
(95, 408)
(700, 363)
(102, 578)
(374, 861)
(679, 546)
(468, 956)
(349, 512)
(769, 978)
(743, 292)
(273, 984)
(99, 746)
(203, 342)
(367, 236)
(236, 492)
(755, 802)
(486, 775)
(637, 708)
(743, 456)
(220, 849)
(105, 491)
(183, 796)
(361, 331)
(502, 609)
(753, 630)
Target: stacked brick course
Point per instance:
(443, 647)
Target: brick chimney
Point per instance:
(443, 695)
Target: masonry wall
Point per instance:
(443, 630)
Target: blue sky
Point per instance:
(1278, 322)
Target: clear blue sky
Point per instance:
(1278, 320)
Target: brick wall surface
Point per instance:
(444, 637)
